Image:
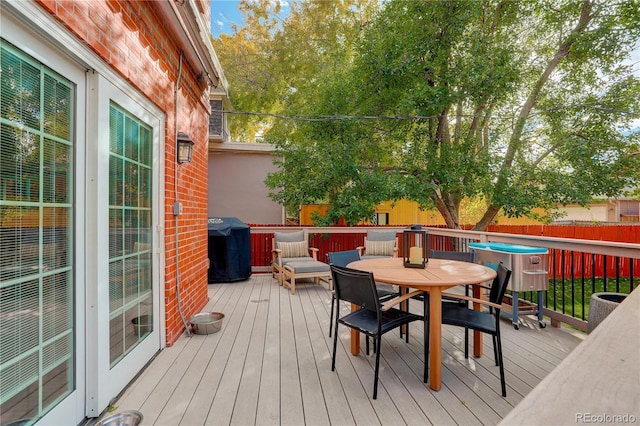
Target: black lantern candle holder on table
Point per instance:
(415, 247)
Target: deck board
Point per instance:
(271, 365)
(223, 404)
(246, 400)
(336, 404)
(268, 410)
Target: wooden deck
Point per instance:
(271, 364)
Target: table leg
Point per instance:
(435, 338)
(404, 329)
(355, 335)
(477, 336)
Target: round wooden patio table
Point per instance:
(438, 275)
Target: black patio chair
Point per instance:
(343, 258)
(372, 319)
(485, 322)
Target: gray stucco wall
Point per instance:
(237, 189)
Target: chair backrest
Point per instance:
(453, 255)
(381, 243)
(381, 235)
(343, 258)
(499, 286)
(292, 244)
(357, 287)
(289, 237)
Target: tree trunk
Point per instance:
(449, 208)
(487, 219)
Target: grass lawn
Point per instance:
(574, 300)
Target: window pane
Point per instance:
(130, 245)
(131, 136)
(56, 235)
(116, 231)
(116, 180)
(19, 164)
(57, 172)
(130, 184)
(57, 108)
(145, 146)
(116, 131)
(20, 86)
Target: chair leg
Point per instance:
(335, 346)
(280, 275)
(333, 302)
(495, 349)
(292, 285)
(375, 379)
(426, 338)
(406, 330)
(466, 329)
(466, 342)
(502, 381)
(401, 328)
(367, 345)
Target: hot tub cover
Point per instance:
(508, 248)
(229, 249)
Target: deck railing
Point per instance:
(577, 267)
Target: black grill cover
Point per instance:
(229, 250)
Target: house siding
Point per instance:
(132, 38)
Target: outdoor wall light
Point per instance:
(185, 148)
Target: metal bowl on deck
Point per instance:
(126, 418)
(207, 322)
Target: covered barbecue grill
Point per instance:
(229, 250)
(529, 272)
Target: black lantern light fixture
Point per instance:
(415, 247)
(184, 150)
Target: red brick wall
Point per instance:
(131, 37)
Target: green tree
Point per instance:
(275, 65)
(522, 104)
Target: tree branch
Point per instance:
(458, 126)
(515, 141)
(442, 133)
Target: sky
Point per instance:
(223, 14)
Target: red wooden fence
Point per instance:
(587, 264)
